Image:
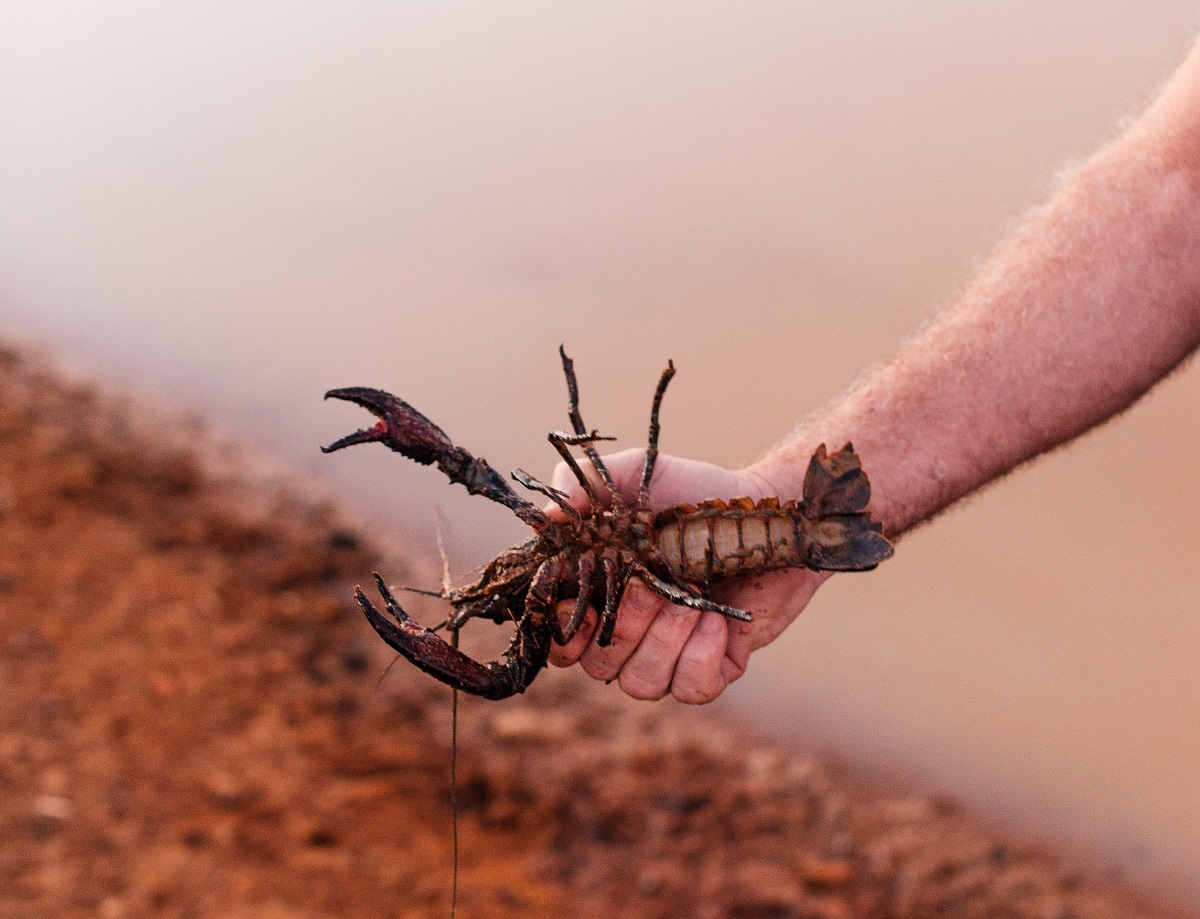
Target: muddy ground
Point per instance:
(193, 724)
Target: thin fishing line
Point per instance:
(454, 784)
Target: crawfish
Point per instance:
(591, 555)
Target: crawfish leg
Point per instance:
(652, 445)
(558, 497)
(403, 429)
(429, 652)
(683, 598)
(587, 567)
(581, 429)
(560, 442)
(543, 594)
(614, 588)
(530, 647)
(424, 647)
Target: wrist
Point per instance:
(782, 472)
(773, 478)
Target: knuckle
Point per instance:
(599, 665)
(668, 636)
(566, 655)
(657, 645)
(640, 600)
(699, 656)
(628, 632)
(637, 687)
(592, 669)
(695, 693)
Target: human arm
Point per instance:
(1090, 303)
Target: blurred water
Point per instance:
(244, 205)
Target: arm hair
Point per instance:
(1091, 302)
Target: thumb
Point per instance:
(565, 480)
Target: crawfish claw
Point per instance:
(431, 653)
(403, 429)
(400, 426)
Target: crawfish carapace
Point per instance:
(589, 556)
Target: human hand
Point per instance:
(659, 648)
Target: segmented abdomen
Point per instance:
(717, 539)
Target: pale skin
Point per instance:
(1094, 300)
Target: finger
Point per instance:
(740, 641)
(568, 654)
(647, 674)
(700, 676)
(638, 607)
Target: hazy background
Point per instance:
(243, 205)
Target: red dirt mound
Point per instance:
(192, 724)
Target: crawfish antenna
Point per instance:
(558, 497)
(454, 783)
(438, 522)
(581, 429)
(652, 445)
